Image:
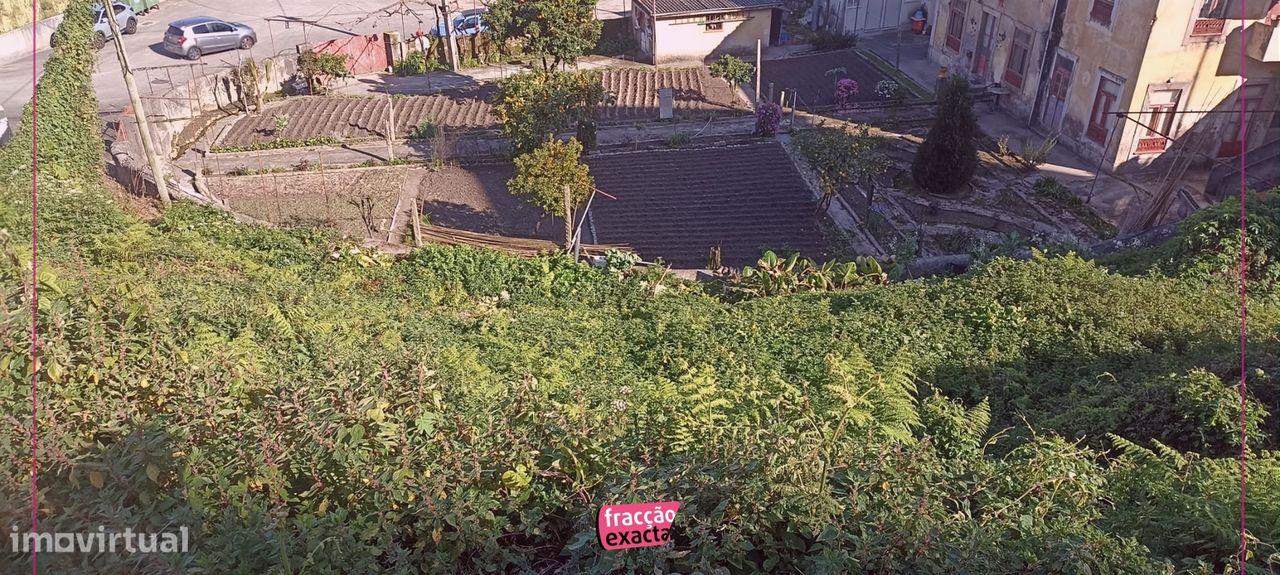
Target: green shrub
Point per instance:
(733, 70)
(948, 157)
(832, 40)
(425, 130)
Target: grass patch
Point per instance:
(1051, 189)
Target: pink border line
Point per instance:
(1243, 196)
(35, 76)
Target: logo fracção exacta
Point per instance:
(636, 524)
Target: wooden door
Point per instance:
(1059, 85)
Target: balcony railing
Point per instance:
(1208, 27)
(1151, 145)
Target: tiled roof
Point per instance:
(667, 7)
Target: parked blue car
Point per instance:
(468, 23)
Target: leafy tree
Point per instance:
(543, 174)
(948, 157)
(533, 106)
(562, 30)
(733, 70)
(841, 157)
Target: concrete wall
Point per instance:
(1031, 16)
(687, 39)
(16, 44)
(364, 54)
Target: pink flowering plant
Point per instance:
(846, 90)
(768, 117)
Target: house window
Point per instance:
(1160, 112)
(715, 22)
(1161, 105)
(1101, 12)
(1101, 119)
(955, 24)
(1019, 55)
(1211, 20)
(1250, 99)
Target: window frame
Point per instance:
(714, 22)
(1094, 13)
(1016, 77)
(956, 40)
(1098, 132)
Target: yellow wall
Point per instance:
(1212, 72)
(678, 40)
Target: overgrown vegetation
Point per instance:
(1206, 247)
(948, 157)
(304, 405)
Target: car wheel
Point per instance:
(194, 53)
(131, 27)
(246, 43)
(99, 40)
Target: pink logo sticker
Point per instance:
(636, 524)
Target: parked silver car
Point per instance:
(194, 37)
(125, 18)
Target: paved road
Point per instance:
(333, 20)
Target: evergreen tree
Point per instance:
(948, 157)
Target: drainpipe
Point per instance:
(1046, 60)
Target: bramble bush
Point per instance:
(304, 405)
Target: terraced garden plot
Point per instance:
(475, 199)
(677, 204)
(310, 198)
(695, 92)
(351, 118)
(808, 75)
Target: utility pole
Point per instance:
(758, 53)
(144, 126)
(391, 127)
(568, 220)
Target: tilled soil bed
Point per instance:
(696, 93)
(678, 204)
(808, 75)
(475, 199)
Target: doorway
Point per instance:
(982, 53)
(1059, 86)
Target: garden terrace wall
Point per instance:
(696, 92)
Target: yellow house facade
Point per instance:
(674, 31)
(1123, 82)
